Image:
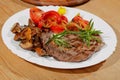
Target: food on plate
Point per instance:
(50, 34)
(50, 19)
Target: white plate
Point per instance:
(108, 37)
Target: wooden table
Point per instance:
(15, 68)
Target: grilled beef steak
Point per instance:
(78, 51)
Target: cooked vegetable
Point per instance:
(81, 22)
(54, 21)
(53, 15)
(16, 28)
(50, 19)
(35, 14)
(26, 44)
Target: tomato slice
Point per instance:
(40, 24)
(64, 19)
(50, 19)
(35, 14)
(77, 18)
(86, 22)
(81, 22)
(57, 28)
(53, 15)
(54, 21)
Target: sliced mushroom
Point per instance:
(26, 33)
(31, 23)
(16, 28)
(17, 37)
(35, 30)
(26, 45)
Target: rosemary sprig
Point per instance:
(89, 34)
(62, 42)
(58, 39)
(86, 35)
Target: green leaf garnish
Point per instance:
(58, 39)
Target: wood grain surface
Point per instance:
(14, 68)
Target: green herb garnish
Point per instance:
(58, 39)
(86, 36)
(89, 34)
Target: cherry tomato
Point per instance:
(35, 14)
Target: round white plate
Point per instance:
(108, 36)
